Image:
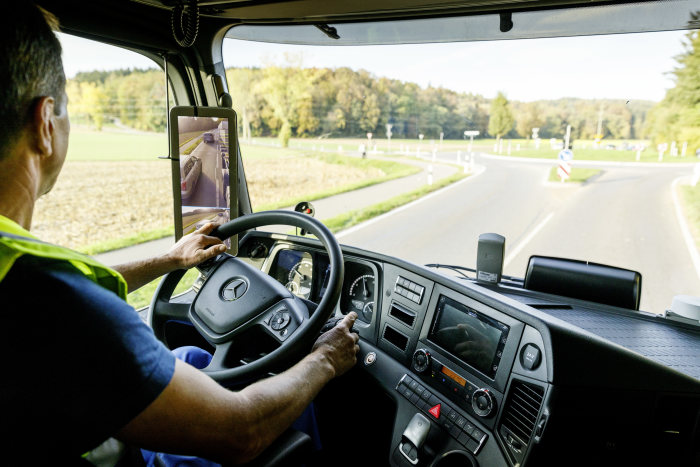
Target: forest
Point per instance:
(292, 101)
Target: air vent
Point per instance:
(521, 410)
(396, 338)
(405, 316)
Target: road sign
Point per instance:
(564, 170)
(471, 133)
(566, 155)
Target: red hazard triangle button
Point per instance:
(435, 411)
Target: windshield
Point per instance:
(580, 147)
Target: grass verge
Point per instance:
(142, 297)
(392, 170)
(690, 197)
(124, 242)
(351, 218)
(578, 175)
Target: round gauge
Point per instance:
(299, 280)
(362, 297)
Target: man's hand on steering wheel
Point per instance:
(339, 345)
(196, 247)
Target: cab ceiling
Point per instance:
(309, 11)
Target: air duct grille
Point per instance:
(521, 410)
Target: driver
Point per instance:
(80, 366)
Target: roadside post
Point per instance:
(434, 154)
(389, 126)
(369, 141)
(662, 147)
(471, 134)
(568, 137)
(420, 144)
(536, 137)
(441, 136)
(684, 149)
(564, 169)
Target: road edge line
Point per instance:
(685, 230)
(369, 222)
(526, 240)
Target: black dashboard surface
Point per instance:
(670, 344)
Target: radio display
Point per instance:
(453, 376)
(470, 336)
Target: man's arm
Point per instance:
(194, 415)
(189, 251)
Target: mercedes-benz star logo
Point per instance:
(234, 290)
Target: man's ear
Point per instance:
(43, 125)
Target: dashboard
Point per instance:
(505, 375)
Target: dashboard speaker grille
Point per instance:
(396, 338)
(521, 409)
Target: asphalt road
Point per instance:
(208, 193)
(625, 218)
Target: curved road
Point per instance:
(624, 217)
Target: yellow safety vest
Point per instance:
(16, 241)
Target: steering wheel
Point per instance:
(236, 297)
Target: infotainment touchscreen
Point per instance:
(469, 336)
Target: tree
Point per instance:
(501, 118)
(677, 116)
(246, 99)
(93, 103)
(530, 117)
(287, 90)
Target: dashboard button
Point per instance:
(460, 422)
(414, 399)
(413, 384)
(407, 393)
(472, 446)
(426, 395)
(530, 357)
(469, 428)
(433, 401)
(435, 411)
(452, 415)
(477, 434)
(463, 439)
(455, 431)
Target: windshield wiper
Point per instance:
(460, 270)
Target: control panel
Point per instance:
(467, 395)
(442, 413)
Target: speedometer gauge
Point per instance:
(362, 297)
(299, 279)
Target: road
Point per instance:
(208, 192)
(625, 218)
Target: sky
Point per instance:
(624, 66)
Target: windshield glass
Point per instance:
(580, 147)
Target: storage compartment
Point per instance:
(586, 281)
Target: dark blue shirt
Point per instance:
(78, 364)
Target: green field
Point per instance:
(87, 145)
(578, 175)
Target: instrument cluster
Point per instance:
(305, 274)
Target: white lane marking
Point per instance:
(687, 236)
(526, 240)
(369, 222)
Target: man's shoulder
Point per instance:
(53, 279)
